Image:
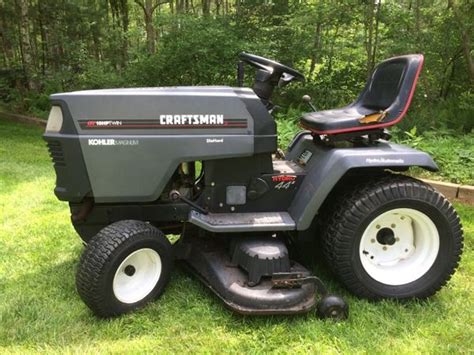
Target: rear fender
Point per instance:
(327, 165)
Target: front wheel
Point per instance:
(393, 238)
(126, 265)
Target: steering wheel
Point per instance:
(276, 69)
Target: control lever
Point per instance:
(307, 99)
(175, 196)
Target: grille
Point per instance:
(56, 153)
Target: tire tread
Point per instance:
(98, 254)
(352, 206)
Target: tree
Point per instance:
(25, 44)
(371, 28)
(119, 9)
(465, 26)
(149, 7)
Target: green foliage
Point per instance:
(91, 44)
(451, 151)
(184, 60)
(288, 126)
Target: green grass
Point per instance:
(41, 311)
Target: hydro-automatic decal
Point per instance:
(384, 161)
(167, 121)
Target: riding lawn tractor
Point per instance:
(136, 165)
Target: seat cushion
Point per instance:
(383, 102)
(337, 120)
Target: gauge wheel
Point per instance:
(125, 266)
(395, 237)
(332, 307)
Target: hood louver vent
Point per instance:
(56, 153)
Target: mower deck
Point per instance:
(209, 260)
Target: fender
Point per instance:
(327, 165)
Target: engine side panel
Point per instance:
(327, 165)
(140, 169)
(132, 140)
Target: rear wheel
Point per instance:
(126, 265)
(393, 238)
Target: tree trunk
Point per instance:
(316, 47)
(464, 29)
(150, 31)
(331, 51)
(6, 45)
(149, 8)
(25, 44)
(369, 30)
(417, 16)
(466, 46)
(179, 6)
(44, 37)
(205, 7)
(376, 35)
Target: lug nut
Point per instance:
(372, 240)
(377, 226)
(384, 248)
(393, 225)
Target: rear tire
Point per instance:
(125, 266)
(395, 237)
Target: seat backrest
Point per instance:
(391, 86)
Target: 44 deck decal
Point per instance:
(167, 121)
(284, 182)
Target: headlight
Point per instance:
(55, 120)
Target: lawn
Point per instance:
(41, 311)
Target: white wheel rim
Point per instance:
(399, 246)
(137, 275)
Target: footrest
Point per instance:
(243, 222)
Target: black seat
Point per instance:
(383, 102)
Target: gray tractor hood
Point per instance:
(132, 140)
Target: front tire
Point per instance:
(395, 237)
(125, 266)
